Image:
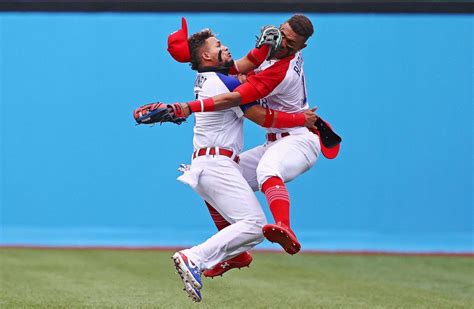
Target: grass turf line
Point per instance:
(53, 278)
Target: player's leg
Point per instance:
(242, 260)
(217, 218)
(282, 162)
(222, 185)
(248, 162)
(219, 181)
(248, 165)
(278, 200)
(289, 157)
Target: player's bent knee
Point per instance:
(260, 220)
(264, 172)
(257, 222)
(257, 234)
(259, 239)
(255, 225)
(256, 217)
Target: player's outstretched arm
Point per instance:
(257, 86)
(268, 43)
(216, 103)
(269, 118)
(251, 61)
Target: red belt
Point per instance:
(271, 137)
(212, 151)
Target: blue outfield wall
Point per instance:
(75, 170)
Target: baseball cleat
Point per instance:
(193, 293)
(189, 274)
(242, 260)
(283, 235)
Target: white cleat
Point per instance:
(190, 274)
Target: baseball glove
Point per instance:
(271, 36)
(158, 112)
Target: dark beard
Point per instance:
(225, 64)
(228, 64)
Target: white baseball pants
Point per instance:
(286, 158)
(219, 180)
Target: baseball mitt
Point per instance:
(158, 113)
(271, 36)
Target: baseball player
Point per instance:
(279, 83)
(215, 173)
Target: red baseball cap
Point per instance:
(328, 153)
(178, 46)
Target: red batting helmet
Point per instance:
(178, 46)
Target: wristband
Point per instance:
(201, 105)
(286, 120)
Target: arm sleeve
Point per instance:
(257, 55)
(263, 83)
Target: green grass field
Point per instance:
(35, 278)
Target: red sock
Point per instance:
(278, 199)
(219, 220)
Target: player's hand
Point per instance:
(179, 110)
(310, 117)
(242, 78)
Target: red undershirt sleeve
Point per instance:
(263, 83)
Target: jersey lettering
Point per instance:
(298, 65)
(263, 102)
(200, 79)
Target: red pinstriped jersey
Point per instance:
(285, 82)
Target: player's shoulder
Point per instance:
(288, 62)
(206, 80)
(273, 66)
(215, 79)
(298, 58)
(230, 82)
(209, 84)
(290, 66)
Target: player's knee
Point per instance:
(264, 172)
(259, 238)
(256, 223)
(256, 217)
(255, 226)
(257, 233)
(260, 220)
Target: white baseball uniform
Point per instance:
(218, 178)
(288, 156)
